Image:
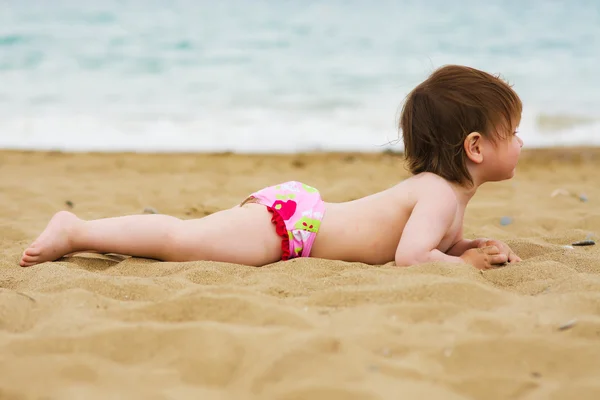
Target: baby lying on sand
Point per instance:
(459, 131)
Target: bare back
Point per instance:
(369, 229)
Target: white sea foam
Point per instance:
(248, 132)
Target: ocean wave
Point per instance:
(250, 131)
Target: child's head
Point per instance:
(455, 118)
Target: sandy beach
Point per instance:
(111, 327)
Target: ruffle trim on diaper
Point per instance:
(281, 230)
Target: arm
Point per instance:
(463, 245)
(427, 225)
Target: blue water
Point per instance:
(246, 76)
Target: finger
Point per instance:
(513, 257)
(484, 266)
(491, 250)
(490, 266)
(498, 259)
(485, 243)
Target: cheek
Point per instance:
(515, 148)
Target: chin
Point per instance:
(508, 177)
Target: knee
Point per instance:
(172, 239)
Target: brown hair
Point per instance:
(440, 112)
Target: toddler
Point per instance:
(459, 131)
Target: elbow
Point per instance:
(403, 262)
(408, 260)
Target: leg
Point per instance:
(241, 235)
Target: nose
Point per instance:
(520, 141)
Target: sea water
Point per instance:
(280, 75)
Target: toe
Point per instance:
(28, 262)
(32, 251)
(28, 259)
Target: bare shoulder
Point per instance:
(426, 185)
(431, 192)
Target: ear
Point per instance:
(473, 147)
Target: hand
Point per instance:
(484, 257)
(503, 247)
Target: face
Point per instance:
(501, 157)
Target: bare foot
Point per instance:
(54, 242)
